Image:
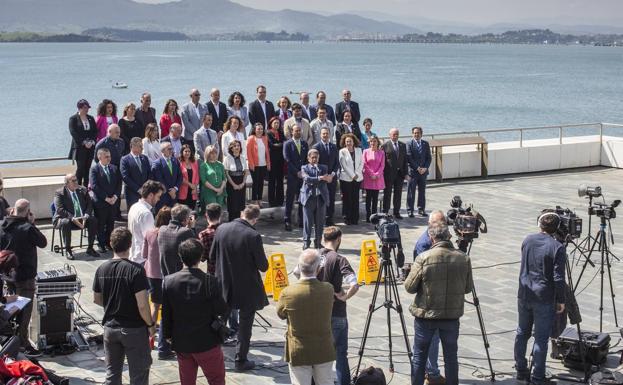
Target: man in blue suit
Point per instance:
(105, 192)
(135, 170)
(166, 170)
(329, 157)
(314, 197)
(295, 154)
(419, 158)
(321, 98)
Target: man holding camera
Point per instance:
(439, 278)
(541, 295)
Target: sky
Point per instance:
(479, 12)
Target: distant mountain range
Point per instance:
(191, 17)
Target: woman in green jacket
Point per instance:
(213, 180)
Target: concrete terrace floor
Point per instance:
(510, 204)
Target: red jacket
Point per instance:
(252, 155)
(183, 193)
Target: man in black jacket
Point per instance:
(191, 294)
(170, 238)
(347, 105)
(19, 234)
(396, 170)
(261, 110)
(239, 254)
(217, 109)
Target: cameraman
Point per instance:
(438, 302)
(541, 295)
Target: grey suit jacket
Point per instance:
(191, 121)
(203, 138)
(169, 239)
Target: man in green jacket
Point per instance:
(307, 306)
(439, 278)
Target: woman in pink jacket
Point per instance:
(373, 181)
(258, 158)
(189, 189)
(106, 115)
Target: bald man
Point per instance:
(192, 115)
(113, 142)
(396, 170)
(347, 105)
(217, 109)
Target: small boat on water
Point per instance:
(119, 85)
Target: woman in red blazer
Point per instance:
(258, 157)
(188, 193)
(106, 115)
(168, 117)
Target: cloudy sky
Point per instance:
(481, 12)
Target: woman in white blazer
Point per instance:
(351, 175)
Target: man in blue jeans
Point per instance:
(438, 302)
(541, 295)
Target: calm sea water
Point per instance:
(440, 87)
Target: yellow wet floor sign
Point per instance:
(276, 275)
(368, 263)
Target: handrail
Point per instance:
(521, 130)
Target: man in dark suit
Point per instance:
(347, 105)
(346, 127)
(83, 135)
(396, 170)
(191, 294)
(321, 98)
(105, 192)
(314, 197)
(171, 236)
(419, 158)
(146, 114)
(114, 144)
(295, 155)
(166, 170)
(329, 157)
(74, 210)
(176, 139)
(217, 109)
(239, 257)
(261, 110)
(135, 170)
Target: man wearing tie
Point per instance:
(217, 109)
(105, 193)
(192, 115)
(261, 110)
(419, 158)
(295, 154)
(329, 157)
(74, 210)
(135, 169)
(348, 105)
(204, 137)
(166, 170)
(176, 139)
(395, 172)
(314, 197)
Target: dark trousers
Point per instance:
(105, 215)
(313, 216)
(132, 343)
(235, 199)
(539, 316)
(418, 181)
(257, 190)
(396, 186)
(65, 226)
(332, 187)
(372, 202)
(26, 289)
(211, 362)
(83, 165)
(350, 201)
(294, 187)
(245, 329)
(423, 335)
(275, 185)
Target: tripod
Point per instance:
(605, 254)
(585, 244)
(391, 302)
(467, 243)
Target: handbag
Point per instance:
(218, 326)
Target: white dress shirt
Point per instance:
(140, 220)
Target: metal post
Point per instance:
(521, 138)
(560, 135)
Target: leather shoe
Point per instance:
(69, 254)
(305, 245)
(101, 249)
(421, 212)
(410, 214)
(91, 251)
(329, 222)
(288, 227)
(244, 365)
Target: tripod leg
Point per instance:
(580, 343)
(588, 258)
(614, 307)
(481, 322)
(601, 287)
(388, 307)
(403, 324)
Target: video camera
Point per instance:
(604, 210)
(570, 224)
(466, 221)
(388, 232)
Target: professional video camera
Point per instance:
(466, 221)
(570, 226)
(388, 232)
(604, 210)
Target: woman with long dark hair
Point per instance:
(189, 189)
(276, 139)
(373, 180)
(351, 175)
(258, 157)
(237, 108)
(106, 115)
(83, 131)
(168, 117)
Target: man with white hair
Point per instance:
(167, 171)
(19, 234)
(192, 115)
(395, 172)
(307, 306)
(217, 109)
(176, 139)
(113, 142)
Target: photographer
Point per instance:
(541, 295)
(439, 300)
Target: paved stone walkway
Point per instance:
(510, 204)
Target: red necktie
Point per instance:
(285, 115)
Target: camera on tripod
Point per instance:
(388, 232)
(604, 210)
(467, 222)
(570, 226)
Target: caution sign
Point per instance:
(276, 276)
(368, 263)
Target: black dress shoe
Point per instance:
(421, 212)
(101, 249)
(329, 222)
(91, 251)
(288, 227)
(241, 366)
(410, 214)
(305, 245)
(398, 216)
(69, 254)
